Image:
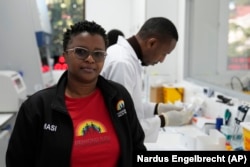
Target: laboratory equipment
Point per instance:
(240, 117)
(32, 52)
(172, 94)
(241, 114)
(227, 116)
(12, 91)
(12, 94)
(218, 123)
(4, 137)
(225, 100)
(6, 124)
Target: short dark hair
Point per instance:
(158, 27)
(113, 36)
(84, 26)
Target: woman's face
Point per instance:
(85, 68)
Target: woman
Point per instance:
(85, 120)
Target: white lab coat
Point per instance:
(123, 66)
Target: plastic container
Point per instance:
(246, 135)
(228, 132)
(218, 123)
(171, 94)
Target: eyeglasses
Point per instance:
(82, 53)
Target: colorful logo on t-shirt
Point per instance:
(90, 127)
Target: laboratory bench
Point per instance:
(7, 121)
(188, 137)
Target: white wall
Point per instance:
(172, 65)
(119, 14)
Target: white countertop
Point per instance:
(4, 117)
(188, 137)
(170, 138)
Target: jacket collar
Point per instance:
(59, 101)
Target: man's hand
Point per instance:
(163, 108)
(177, 118)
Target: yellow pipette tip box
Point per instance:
(171, 94)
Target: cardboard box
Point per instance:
(156, 94)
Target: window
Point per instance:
(218, 45)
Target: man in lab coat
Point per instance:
(124, 64)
